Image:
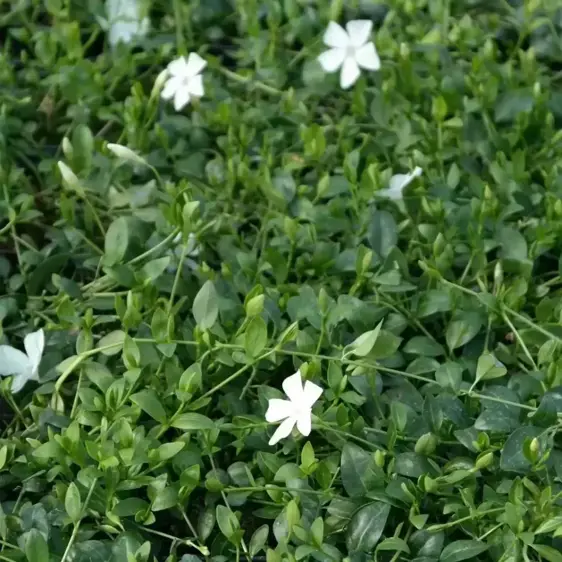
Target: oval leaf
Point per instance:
(366, 527)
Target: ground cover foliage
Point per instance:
(244, 239)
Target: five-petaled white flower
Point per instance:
(295, 411)
(350, 50)
(398, 183)
(23, 366)
(184, 80)
(124, 21)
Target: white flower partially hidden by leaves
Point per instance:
(22, 366)
(192, 250)
(295, 411)
(185, 81)
(398, 183)
(125, 21)
(349, 50)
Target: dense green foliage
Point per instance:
(245, 240)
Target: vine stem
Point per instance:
(77, 524)
(464, 519)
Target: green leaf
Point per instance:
(359, 472)
(422, 345)
(512, 103)
(113, 342)
(258, 540)
(255, 338)
(36, 548)
(365, 342)
(394, 544)
(72, 503)
(151, 270)
(92, 551)
(413, 465)
(83, 148)
(489, 368)
(169, 450)
(449, 375)
(165, 499)
(512, 457)
(497, 415)
(434, 301)
(366, 527)
(148, 401)
(130, 506)
(514, 245)
(463, 329)
(192, 421)
(547, 552)
(383, 233)
(205, 306)
(549, 525)
(116, 241)
(462, 550)
(227, 521)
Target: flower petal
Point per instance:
(292, 386)
(192, 245)
(399, 182)
(332, 59)
(278, 410)
(367, 57)
(311, 393)
(359, 31)
(389, 194)
(170, 88)
(13, 361)
(195, 64)
(349, 73)
(18, 382)
(335, 36)
(284, 430)
(177, 67)
(181, 99)
(34, 344)
(304, 423)
(195, 86)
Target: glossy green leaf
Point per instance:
(73, 503)
(462, 550)
(116, 241)
(205, 306)
(366, 527)
(148, 401)
(192, 421)
(359, 472)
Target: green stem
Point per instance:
(77, 524)
(464, 519)
(246, 80)
(178, 19)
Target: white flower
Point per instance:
(185, 80)
(398, 183)
(350, 50)
(192, 250)
(125, 21)
(23, 366)
(295, 411)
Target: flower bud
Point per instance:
(426, 444)
(483, 461)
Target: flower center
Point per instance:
(299, 411)
(350, 51)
